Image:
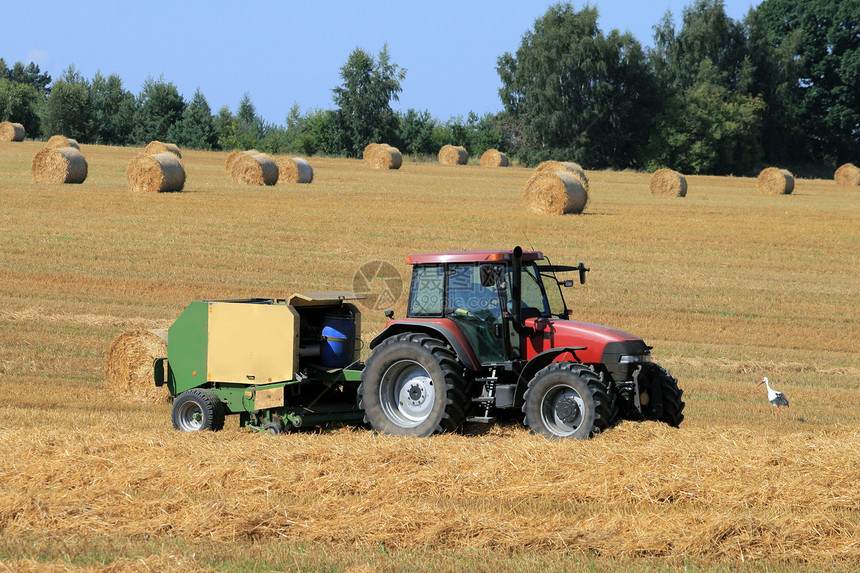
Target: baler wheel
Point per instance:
(568, 400)
(412, 385)
(273, 427)
(197, 409)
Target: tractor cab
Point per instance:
(476, 290)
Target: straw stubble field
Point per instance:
(728, 285)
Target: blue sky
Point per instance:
(286, 53)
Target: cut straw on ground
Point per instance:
(636, 490)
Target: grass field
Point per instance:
(726, 284)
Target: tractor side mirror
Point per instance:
(567, 284)
(389, 314)
(582, 270)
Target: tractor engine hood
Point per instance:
(614, 348)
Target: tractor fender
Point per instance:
(542, 360)
(443, 328)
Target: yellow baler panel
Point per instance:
(252, 343)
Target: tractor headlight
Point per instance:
(634, 358)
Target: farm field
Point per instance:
(727, 285)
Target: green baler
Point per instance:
(275, 362)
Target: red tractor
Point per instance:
(488, 331)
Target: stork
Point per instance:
(776, 397)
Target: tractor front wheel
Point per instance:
(670, 408)
(568, 400)
(197, 409)
(412, 385)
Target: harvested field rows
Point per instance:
(641, 489)
(727, 284)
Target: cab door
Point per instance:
(473, 303)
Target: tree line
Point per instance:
(716, 96)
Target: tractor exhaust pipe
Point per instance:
(517, 291)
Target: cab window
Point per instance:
(426, 295)
(467, 294)
(557, 305)
(533, 293)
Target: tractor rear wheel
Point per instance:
(568, 400)
(197, 409)
(412, 385)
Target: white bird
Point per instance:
(776, 397)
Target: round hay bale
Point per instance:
(294, 170)
(59, 165)
(555, 193)
(128, 365)
(775, 181)
(453, 155)
(369, 150)
(382, 156)
(556, 166)
(668, 183)
(848, 175)
(11, 131)
(255, 169)
(159, 173)
(234, 155)
(57, 141)
(494, 158)
(155, 147)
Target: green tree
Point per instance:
(69, 109)
(274, 139)
(452, 132)
(363, 101)
(312, 132)
(476, 133)
(709, 48)
(485, 133)
(813, 81)
(244, 130)
(249, 125)
(29, 75)
(320, 133)
(19, 103)
(196, 129)
(576, 93)
(159, 106)
(113, 110)
(225, 127)
(415, 132)
(708, 129)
